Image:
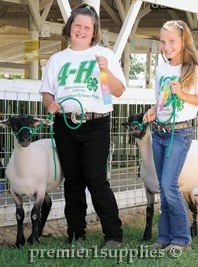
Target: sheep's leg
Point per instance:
(20, 235)
(46, 207)
(35, 217)
(19, 217)
(149, 215)
(192, 204)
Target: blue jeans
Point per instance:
(173, 222)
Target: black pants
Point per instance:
(83, 155)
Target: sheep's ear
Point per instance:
(125, 124)
(5, 123)
(38, 121)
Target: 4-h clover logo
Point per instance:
(179, 105)
(92, 84)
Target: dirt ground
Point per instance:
(59, 228)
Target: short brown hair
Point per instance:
(84, 10)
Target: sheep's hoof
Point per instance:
(20, 244)
(193, 232)
(31, 240)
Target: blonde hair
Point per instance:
(190, 54)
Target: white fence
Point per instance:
(21, 96)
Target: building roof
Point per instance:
(144, 23)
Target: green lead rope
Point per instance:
(51, 133)
(73, 128)
(173, 101)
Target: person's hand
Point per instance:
(176, 89)
(53, 107)
(103, 63)
(149, 116)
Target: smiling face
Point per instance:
(81, 33)
(172, 45)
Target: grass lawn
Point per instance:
(55, 251)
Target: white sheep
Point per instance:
(187, 181)
(31, 172)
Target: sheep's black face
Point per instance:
(22, 126)
(134, 125)
(23, 134)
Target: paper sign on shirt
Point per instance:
(105, 88)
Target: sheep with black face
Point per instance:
(187, 181)
(31, 172)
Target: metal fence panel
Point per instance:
(124, 161)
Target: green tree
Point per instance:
(136, 67)
(12, 76)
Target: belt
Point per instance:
(76, 116)
(169, 126)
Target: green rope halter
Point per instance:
(140, 124)
(25, 127)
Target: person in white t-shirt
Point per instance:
(176, 90)
(74, 73)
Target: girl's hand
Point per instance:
(53, 107)
(150, 115)
(176, 89)
(103, 63)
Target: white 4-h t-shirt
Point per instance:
(184, 111)
(75, 74)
